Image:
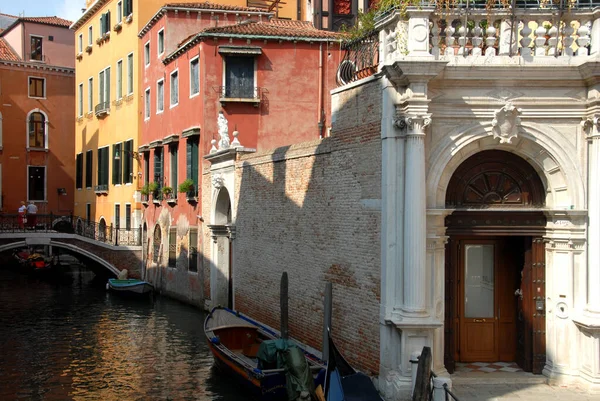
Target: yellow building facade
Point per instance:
(109, 103)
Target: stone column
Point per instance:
(593, 266)
(415, 272)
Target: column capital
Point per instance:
(412, 125)
(591, 127)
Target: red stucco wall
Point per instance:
(58, 105)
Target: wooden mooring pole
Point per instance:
(327, 302)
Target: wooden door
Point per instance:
(524, 302)
(538, 276)
(478, 321)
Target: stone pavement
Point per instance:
(515, 387)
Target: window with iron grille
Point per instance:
(173, 153)
(173, 247)
(193, 247)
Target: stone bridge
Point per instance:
(112, 257)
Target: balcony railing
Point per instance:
(241, 93)
(478, 32)
(361, 59)
(101, 189)
(102, 109)
(36, 57)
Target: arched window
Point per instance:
(102, 230)
(37, 129)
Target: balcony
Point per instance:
(478, 33)
(36, 57)
(102, 109)
(101, 189)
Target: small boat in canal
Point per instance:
(129, 286)
(36, 263)
(343, 382)
(254, 355)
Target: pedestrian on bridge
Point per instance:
(31, 215)
(22, 215)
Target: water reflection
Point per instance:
(78, 342)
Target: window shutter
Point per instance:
(114, 163)
(107, 85)
(107, 21)
(188, 158)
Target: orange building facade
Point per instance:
(37, 94)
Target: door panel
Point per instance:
(538, 274)
(524, 302)
(478, 328)
(510, 262)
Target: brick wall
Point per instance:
(305, 209)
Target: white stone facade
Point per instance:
(531, 91)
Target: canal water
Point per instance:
(75, 341)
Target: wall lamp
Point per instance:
(135, 155)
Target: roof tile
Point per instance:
(48, 21)
(213, 6)
(279, 28)
(6, 52)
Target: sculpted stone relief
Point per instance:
(505, 125)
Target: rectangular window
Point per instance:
(127, 161)
(161, 41)
(194, 77)
(117, 216)
(37, 87)
(173, 247)
(193, 246)
(80, 43)
(119, 79)
(127, 7)
(89, 168)
(160, 96)
(146, 167)
(192, 162)
(90, 35)
(80, 100)
(239, 77)
(128, 217)
(174, 88)
(36, 49)
(105, 23)
(147, 104)
(117, 173)
(36, 190)
(158, 166)
(119, 12)
(130, 74)
(88, 211)
(79, 171)
(103, 166)
(104, 87)
(90, 95)
(173, 154)
(147, 54)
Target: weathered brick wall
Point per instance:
(306, 209)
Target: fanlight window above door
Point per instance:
(495, 178)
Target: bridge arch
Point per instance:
(58, 244)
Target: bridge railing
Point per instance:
(108, 234)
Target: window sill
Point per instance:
(254, 101)
(37, 150)
(174, 105)
(193, 95)
(38, 97)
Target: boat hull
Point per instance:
(137, 287)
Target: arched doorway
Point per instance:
(156, 242)
(494, 270)
(222, 232)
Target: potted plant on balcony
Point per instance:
(153, 189)
(168, 195)
(187, 187)
(145, 191)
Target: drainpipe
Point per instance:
(320, 106)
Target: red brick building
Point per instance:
(36, 120)
(239, 70)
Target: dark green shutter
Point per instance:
(89, 168)
(114, 167)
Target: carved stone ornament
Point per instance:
(218, 181)
(417, 124)
(400, 123)
(591, 126)
(505, 125)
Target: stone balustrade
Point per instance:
(479, 35)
